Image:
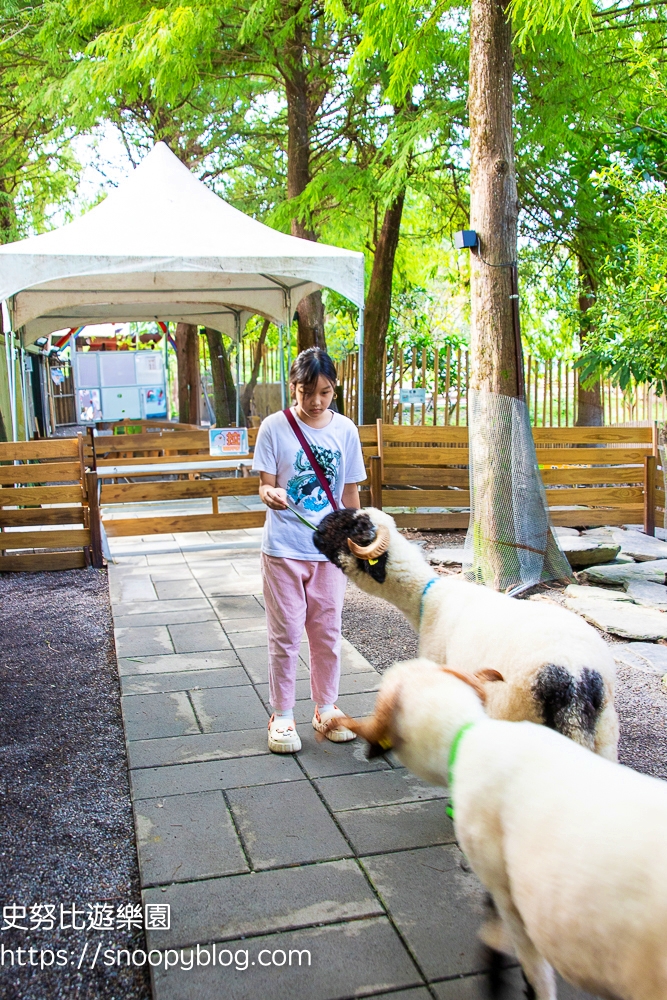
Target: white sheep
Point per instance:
(571, 847)
(557, 670)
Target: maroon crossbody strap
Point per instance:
(315, 465)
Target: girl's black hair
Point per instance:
(309, 365)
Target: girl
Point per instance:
(301, 587)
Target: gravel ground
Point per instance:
(383, 635)
(67, 835)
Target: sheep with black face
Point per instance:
(556, 668)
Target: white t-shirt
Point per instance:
(337, 449)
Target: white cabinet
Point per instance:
(121, 403)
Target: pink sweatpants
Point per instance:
(300, 593)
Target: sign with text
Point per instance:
(228, 440)
(413, 397)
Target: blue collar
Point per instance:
(425, 592)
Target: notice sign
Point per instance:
(413, 397)
(228, 440)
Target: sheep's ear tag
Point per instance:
(385, 743)
(372, 562)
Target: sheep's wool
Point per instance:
(510, 545)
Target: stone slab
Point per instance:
(234, 625)
(185, 837)
(224, 909)
(209, 775)
(285, 824)
(619, 618)
(356, 683)
(400, 827)
(367, 955)
(641, 547)
(560, 532)
(201, 637)
(436, 905)
(351, 660)
(149, 641)
(225, 710)
(650, 657)
(159, 617)
(170, 571)
(596, 593)
(151, 716)
(124, 589)
(445, 557)
(176, 662)
(244, 640)
(360, 791)
(476, 987)
(175, 590)
(654, 571)
(189, 749)
(246, 585)
(650, 595)
(324, 759)
(188, 680)
(120, 610)
(237, 607)
(587, 552)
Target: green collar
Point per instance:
(453, 751)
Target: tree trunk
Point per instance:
(224, 387)
(246, 397)
(310, 311)
(189, 381)
(589, 408)
(378, 309)
(493, 199)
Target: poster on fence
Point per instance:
(413, 397)
(228, 440)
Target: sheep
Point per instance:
(570, 846)
(558, 671)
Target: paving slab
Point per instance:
(399, 827)
(171, 571)
(476, 987)
(225, 710)
(120, 609)
(150, 716)
(244, 640)
(356, 705)
(234, 625)
(351, 659)
(188, 680)
(597, 593)
(173, 590)
(285, 824)
(255, 659)
(199, 637)
(325, 759)
(619, 618)
(360, 791)
(237, 607)
(190, 749)
(233, 588)
(224, 909)
(185, 837)
(177, 662)
(146, 641)
(240, 772)
(367, 956)
(126, 586)
(436, 904)
(159, 617)
(356, 683)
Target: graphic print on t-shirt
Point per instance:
(304, 487)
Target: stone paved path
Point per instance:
(262, 857)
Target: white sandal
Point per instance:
(341, 735)
(283, 737)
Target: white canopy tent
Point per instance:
(164, 247)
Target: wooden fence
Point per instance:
(443, 374)
(45, 513)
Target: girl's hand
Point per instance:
(274, 497)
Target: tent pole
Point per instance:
(360, 368)
(24, 392)
(237, 323)
(11, 378)
(283, 401)
(167, 394)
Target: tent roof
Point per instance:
(164, 246)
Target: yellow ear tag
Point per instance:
(372, 562)
(385, 744)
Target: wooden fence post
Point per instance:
(649, 494)
(376, 481)
(94, 518)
